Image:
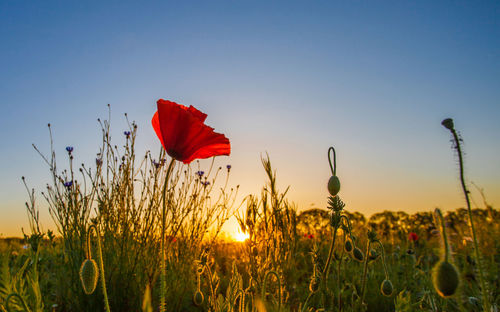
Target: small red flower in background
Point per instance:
(413, 236)
(311, 236)
(184, 135)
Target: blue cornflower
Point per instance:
(68, 184)
(228, 167)
(69, 149)
(200, 173)
(127, 133)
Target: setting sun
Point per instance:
(240, 237)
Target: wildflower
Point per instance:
(68, 184)
(200, 173)
(205, 183)
(228, 167)
(413, 236)
(310, 236)
(69, 149)
(184, 135)
(126, 133)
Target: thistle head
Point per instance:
(386, 288)
(358, 254)
(446, 279)
(89, 274)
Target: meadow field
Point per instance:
(108, 253)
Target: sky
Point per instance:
(374, 79)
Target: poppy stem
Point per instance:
(333, 166)
(163, 274)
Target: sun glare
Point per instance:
(240, 237)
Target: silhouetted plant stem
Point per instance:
(330, 255)
(163, 274)
(101, 264)
(365, 270)
(448, 123)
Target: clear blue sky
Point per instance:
(291, 78)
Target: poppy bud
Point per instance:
(314, 284)
(198, 298)
(348, 246)
(358, 254)
(89, 275)
(334, 185)
(446, 279)
(386, 288)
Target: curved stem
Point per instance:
(212, 292)
(101, 264)
(265, 284)
(330, 254)
(383, 259)
(7, 301)
(365, 270)
(443, 232)
(334, 166)
(163, 273)
(486, 302)
(304, 307)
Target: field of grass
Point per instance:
(107, 252)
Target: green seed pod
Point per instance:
(314, 284)
(348, 246)
(386, 288)
(358, 254)
(446, 279)
(198, 298)
(448, 123)
(334, 185)
(89, 274)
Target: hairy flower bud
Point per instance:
(446, 279)
(358, 254)
(89, 275)
(198, 298)
(386, 288)
(348, 246)
(334, 185)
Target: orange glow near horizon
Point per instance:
(240, 236)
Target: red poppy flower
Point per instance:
(413, 236)
(184, 135)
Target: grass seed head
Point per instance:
(89, 275)
(446, 279)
